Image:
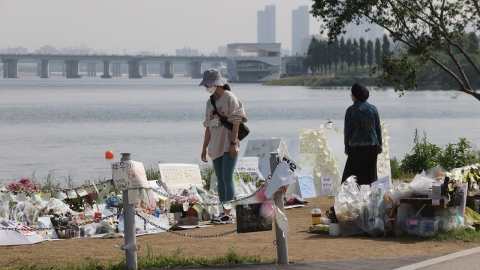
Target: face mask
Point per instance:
(211, 90)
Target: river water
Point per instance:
(67, 124)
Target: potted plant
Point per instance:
(176, 207)
(334, 227)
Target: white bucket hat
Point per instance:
(212, 77)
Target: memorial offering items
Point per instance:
(332, 217)
(316, 215)
(358, 209)
(249, 218)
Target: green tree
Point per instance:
(312, 51)
(322, 53)
(329, 58)
(348, 53)
(434, 27)
(385, 45)
(370, 53)
(355, 53)
(308, 63)
(335, 53)
(341, 51)
(378, 54)
(363, 52)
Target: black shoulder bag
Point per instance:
(242, 129)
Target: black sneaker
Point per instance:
(223, 218)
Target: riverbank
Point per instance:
(321, 81)
(302, 246)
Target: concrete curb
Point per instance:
(437, 260)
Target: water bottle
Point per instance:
(316, 215)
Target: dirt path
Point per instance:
(301, 245)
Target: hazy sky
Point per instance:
(137, 25)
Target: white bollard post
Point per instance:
(129, 231)
(282, 248)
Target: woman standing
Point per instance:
(363, 137)
(222, 144)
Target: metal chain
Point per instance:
(59, 227)
(185, 234)
(220, 203)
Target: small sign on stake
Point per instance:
(129, 174)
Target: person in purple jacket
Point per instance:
(363, 137)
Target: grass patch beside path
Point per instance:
(467, 236)
(454, 236)
(173, 260)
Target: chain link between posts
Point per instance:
(184, 234)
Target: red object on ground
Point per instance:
(109, 154)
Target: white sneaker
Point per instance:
(223, 218)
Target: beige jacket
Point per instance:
(228, 105)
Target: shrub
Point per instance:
(397, 172)
(424, 155)
(458, 155)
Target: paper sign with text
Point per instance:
(178, 176)
(307, 188)
(262, 149)
(129, 174)
(247, 165)
(326, 184)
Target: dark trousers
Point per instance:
(362, 162)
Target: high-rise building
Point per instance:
(266, 25)
(300, 28)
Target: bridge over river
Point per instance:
(137, 65)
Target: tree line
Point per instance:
(321, 56)
(427, 33)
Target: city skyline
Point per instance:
(153, 26)
(300, 28)
(266, 25)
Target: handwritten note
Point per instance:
(247, 165)
(262, 149)
(129, 175)
(326, 183)
(178, 176)
(307, 187)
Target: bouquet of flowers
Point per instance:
(59, 219)
(78, 203)
(24, 185)
(176, 206)
(332, 216)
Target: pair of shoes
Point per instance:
(223, 218)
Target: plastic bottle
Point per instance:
(316, 215)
